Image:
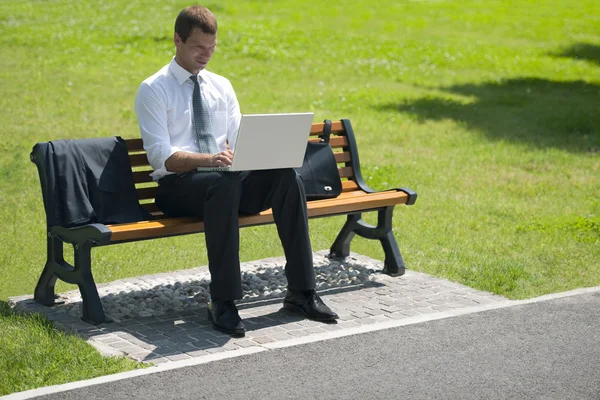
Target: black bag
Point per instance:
(319, 171)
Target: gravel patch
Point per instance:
(265, 279)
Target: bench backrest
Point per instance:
(341, 141)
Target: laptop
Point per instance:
(269, 141)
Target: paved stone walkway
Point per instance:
(186, 334)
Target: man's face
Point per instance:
(194, 54)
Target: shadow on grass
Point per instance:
(581, 51)
(537, 112)
(5, 310)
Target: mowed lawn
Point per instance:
(489, 110)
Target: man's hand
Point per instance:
(222, 159)
(182, 161)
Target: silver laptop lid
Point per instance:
(270, 141)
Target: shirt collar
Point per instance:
(181, 74)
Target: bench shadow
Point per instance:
(188, 332)
(539, 113)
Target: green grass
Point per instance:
(489, 110)
(33, 354)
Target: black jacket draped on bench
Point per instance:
(87, 181)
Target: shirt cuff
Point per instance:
(162, 171)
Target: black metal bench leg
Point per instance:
(341, 245)
(80, 274)
(93, 312)
(44, 290)
(393, 264)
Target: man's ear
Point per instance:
(177, 40)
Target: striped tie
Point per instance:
(202, 122)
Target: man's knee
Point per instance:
(288, 176)
(226, 185)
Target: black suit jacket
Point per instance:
(87, 181)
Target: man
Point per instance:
(187, 115)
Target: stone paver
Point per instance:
(180, 335)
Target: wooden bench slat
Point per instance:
(344, 197)
(315, 208)
(346, 172)
(342, 157)
(316, 129)
(139, 160)
(174, 226)
(358, 202)
(147, 193)
(335, 141)
(142, 177)
(348, 186)
(150, 192)
(135, 144)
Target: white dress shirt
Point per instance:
(165, 113)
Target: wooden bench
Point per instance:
(355, 199)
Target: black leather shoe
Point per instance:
(309, 304)
(225, 318)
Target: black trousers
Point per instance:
(219, 197)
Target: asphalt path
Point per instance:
(543, 350)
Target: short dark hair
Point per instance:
(195, 17)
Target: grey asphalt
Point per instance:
(543, 350)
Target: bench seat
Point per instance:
(347, 202)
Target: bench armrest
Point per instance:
(98, 234)
(412, 195)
